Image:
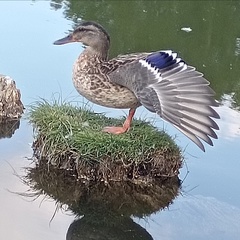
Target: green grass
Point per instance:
(71, 137)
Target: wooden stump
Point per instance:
(11, 106)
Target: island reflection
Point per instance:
(102, 210)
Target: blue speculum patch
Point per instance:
(161, 60)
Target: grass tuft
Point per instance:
(71, 137)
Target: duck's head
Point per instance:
(90, 34)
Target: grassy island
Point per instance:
(71, 138)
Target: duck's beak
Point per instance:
(64, 40)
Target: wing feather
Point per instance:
(177, 92)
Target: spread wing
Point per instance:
(165, 84)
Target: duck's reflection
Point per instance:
(126, 229)
(103, 210)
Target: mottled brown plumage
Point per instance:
(160, 81)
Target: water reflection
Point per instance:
(8, 128)
(85, 229)
(230, 126)
(102, 209)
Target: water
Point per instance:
(209, 207)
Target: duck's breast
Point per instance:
(99, 90)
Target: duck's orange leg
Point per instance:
(125, 127)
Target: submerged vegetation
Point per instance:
(71, 138)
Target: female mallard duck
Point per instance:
(160, 81)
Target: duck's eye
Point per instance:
(82, 30)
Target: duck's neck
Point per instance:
(100, 52)
(89, 59)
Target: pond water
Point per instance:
(206, 34)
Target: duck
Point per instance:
(160, 81)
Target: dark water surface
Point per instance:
(205, 33)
